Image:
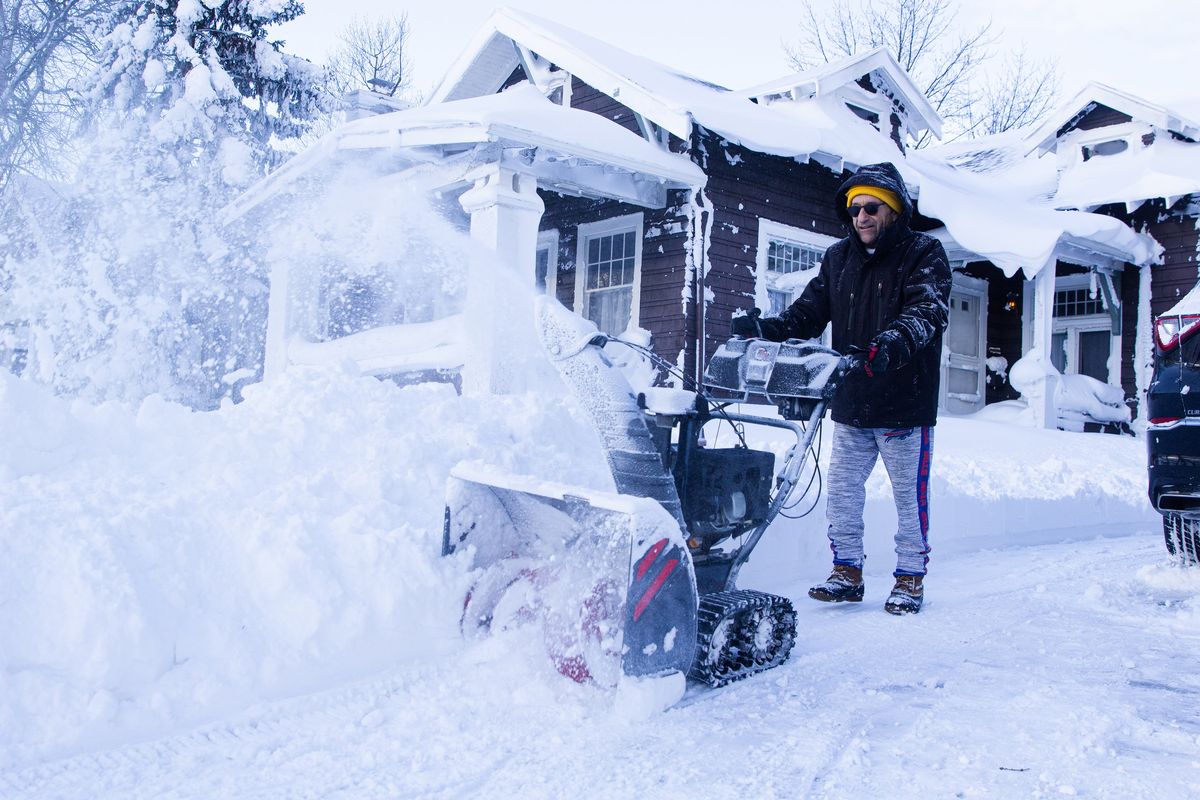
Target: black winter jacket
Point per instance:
(902, 289)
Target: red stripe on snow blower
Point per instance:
(667, 569)
(648, 559)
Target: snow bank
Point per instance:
(163, 567)
(992, 485)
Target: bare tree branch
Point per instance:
(44, 47)
(947, 59)
(372, 53)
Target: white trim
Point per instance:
(607, 227)
(1045, 138)
(769, 230)
(976, 289)
(548, 240)
(1074, 325)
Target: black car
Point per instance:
(1173, 438)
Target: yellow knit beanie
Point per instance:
(890, 198)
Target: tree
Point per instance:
(139, 290)
(45, 46)
(207, 72)
(372, 54)
(946, 59)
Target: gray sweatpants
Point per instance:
(907, 453)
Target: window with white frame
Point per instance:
(788, 259)
(545, 270)
(1082, 339)
(608, 272)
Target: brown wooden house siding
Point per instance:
(1177, 275)
(1097, 115)
(663, 256)
(743, 187)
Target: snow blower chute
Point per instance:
(641, 580)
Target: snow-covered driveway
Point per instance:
(1039, 671)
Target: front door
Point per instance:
(964, 347)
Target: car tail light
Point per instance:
(1164, 420)
(1173, 329)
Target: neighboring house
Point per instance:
(644, 197)
(1112, 154)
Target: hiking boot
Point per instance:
(907, 595)
(845, 584)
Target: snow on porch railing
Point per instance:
(1077, 399)
(392, 348)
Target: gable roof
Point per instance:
(886, 73)
(673, 99)
(1044, 137)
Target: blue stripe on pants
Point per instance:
(907, 455)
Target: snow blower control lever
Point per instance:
(662, 553)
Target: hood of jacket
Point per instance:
(881, 176)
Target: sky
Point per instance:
(1143, 47)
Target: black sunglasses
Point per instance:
(871, 208)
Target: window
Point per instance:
(784, 257)
(545, 271)
(1077, 303)
(788, 258)
(1109, 148)
(1082, 340)
(607, 279)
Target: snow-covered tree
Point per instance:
(205, 70)
(140, 289)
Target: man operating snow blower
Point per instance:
(885, 289)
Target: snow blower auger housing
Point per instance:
(642, 580)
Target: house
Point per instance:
(644, 197)
(1106, 153)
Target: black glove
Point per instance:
(879, 354)
(748, 325)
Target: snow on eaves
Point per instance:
(519, 116)
(999, 221)
(1168, 169)
(523, 114)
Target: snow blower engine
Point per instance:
(642, 581)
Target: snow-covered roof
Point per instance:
(1148, 165)
(1044, 137)
(1169, 169)
(885, 73)
(803, 116)
(566, 149)
(673, 99)
(1002, 223)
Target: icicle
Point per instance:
(1143, 348)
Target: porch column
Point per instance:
(1040, 343)
(278, 323)
(505, 212)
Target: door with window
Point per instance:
(608, 272)
(1082, 340)
(964, 347)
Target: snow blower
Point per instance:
(642, 580)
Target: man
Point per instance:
(885, 289)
